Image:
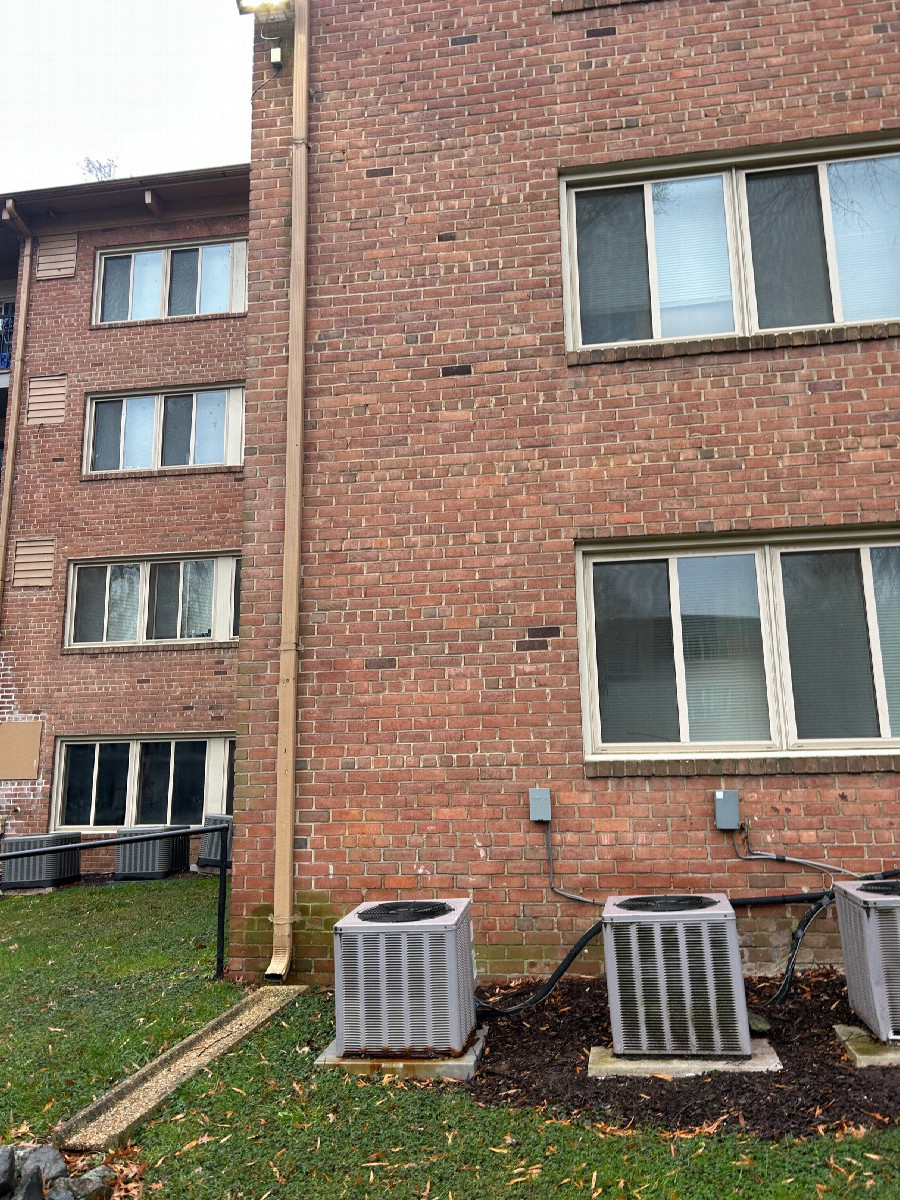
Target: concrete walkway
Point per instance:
(107, 1122)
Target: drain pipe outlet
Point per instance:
(289, 653)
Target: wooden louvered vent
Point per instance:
(56, 256)
(46, 400)
(33, 562)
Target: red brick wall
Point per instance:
(441, 514)
(116, 690)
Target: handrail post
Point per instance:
(223, 883)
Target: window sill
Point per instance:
(151, 647)
(874, 331)
(808, 764)
(559, 7)
(235, 469)
(165, 320)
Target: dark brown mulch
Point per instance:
(540, 1058)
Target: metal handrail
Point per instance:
(98, 843)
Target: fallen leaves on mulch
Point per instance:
(540, 1057)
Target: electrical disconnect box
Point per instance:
(727, 810)
(539, 804)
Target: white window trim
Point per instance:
(234, 429)
(215, 787)
(238, 282)
(785, 742)
(223, 600)
(734, 174)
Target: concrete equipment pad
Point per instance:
(864, 1048)
(107, 1122)
(603, 1063)
(462, 1068)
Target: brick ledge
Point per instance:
(874, 331)
(852, 764)
(560, 7)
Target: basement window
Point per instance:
(172, 429)
(111, 783)
(146, 284)
(152, 601)
(775, 648)
(736, 251)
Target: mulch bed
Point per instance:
(539, 1057)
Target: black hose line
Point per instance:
(821, 900)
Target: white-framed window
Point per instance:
(107, 783)
(153, 600)
(180, 428)
(777, 647)
(737, 250)
(149, 282)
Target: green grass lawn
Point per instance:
(96, 981)
(266, 1122)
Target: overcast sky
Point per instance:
(158, 85)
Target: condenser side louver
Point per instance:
(208, 855)
(45, 870)
(404, 987)
(152, 860)
(869, 921)
(674, 975)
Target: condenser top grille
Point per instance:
(665, 904)
(881, 887)
(403, 912)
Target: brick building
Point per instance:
(599, 491)
(121, 502)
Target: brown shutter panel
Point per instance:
(46, 400)
(56, 256)
(33, 562)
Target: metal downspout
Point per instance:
(15, 396)
(289, 653)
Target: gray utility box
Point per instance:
(152, 860)
(44, 870)
(869, 921)
(405, 988)
(209, 843)
(674, 974)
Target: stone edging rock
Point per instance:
(25, 1172)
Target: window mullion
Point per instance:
(678, 648)
(130, 287)
(158, 411)
(784, 659)
(884, 719)
(768, 610)
(94, 782)
(837, 307)
(748, 286)
(106, 603)
(171, 782)
(199, 279)
(193, 440)
(143, 612)
(734, 227)
(164, 279)
(650, 234)
(131, 785)
(181, 566)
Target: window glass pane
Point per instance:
(787, 242)
(116, 285)
(147, 284)
(613, 277)
(188, 784)
(76, 809)
(828, 644)
(209, 438)
(886, 575)
(107, 436)
(183, 282)
(723, 651)
(90, 604)
(196, 604)
(112, 783)
(124, 583)
(153, 797)
(635, 655)
(177, 419)
(137, 450)
(215, 279)
(236, 611)
(162, 602)
(692, 266)
(865, 209)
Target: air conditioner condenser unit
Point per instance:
(44, 870)
(673, 969)
(405, 979)
(152, 860)
(869, 921)
(208, 855)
